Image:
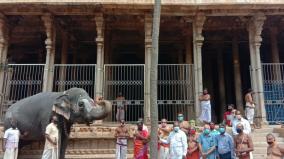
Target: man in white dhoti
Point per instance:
(51, 142)
(11, 142)
(121, 107)
(205, 107)
(178, 143)
(121, 135)
(250, 106)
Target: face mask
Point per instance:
(222, 130)
(192, 132)
(239, 130)
(206, 131)
(180, 118)
(176, 129)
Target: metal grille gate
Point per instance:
(273, 81)
(74, 75)
(127, 80)
(175, 90)
(20, 81)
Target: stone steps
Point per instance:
(259, 141)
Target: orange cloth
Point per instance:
(140, 148)
(194, 155)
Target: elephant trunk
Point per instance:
(100, 110)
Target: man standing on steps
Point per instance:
(250, 106)
(243, 143)
(274, 151)
(121, 135)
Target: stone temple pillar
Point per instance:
(3, 53)
(197, 53)
(222, 89)
(64, 56)
(255, 28)
(100, 54)
(237, 74)
(148, 51)
(48, 21)
(274, 45)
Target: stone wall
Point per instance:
(84, 142)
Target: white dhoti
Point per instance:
(121, 149)
(176, 153)
(205, 111)
(49, 154)
(163, 152)
(11, 153)
(249, 114)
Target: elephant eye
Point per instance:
(81, 105)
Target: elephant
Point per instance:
(33, 114)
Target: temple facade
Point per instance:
(104, 46)
(227, 46)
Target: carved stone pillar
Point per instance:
(222, 89)
(3, 52)
(274, 45)
(148, 51)
(255, 28)
(197, 54)
(64, 51)
(99, 19)
(48, 21)
(237, 74)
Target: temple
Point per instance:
(104, 46)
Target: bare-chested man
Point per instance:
(243, 143)
(121, 134)
(250, 106)
(205, 107)
(274, 151)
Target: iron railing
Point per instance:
(273, 82)
(20, 81)
(67, 76)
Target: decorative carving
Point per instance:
(48, 23)
(148, 30)
(99, 19)
(199, 22)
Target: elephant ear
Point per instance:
(62, 106)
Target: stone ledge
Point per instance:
(147, 2)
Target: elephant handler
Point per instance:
(51, 142)
(11, 141)
(121, 134)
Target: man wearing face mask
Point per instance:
(213, 130)
(121, 135)
(178, 143)
(11, 141)
(184, 125)
(244, 122)
(274, 151)
(225, 144)
(51, 142)
(228, 117)
(243, 143)
(207, 144)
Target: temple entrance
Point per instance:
(222, 72)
